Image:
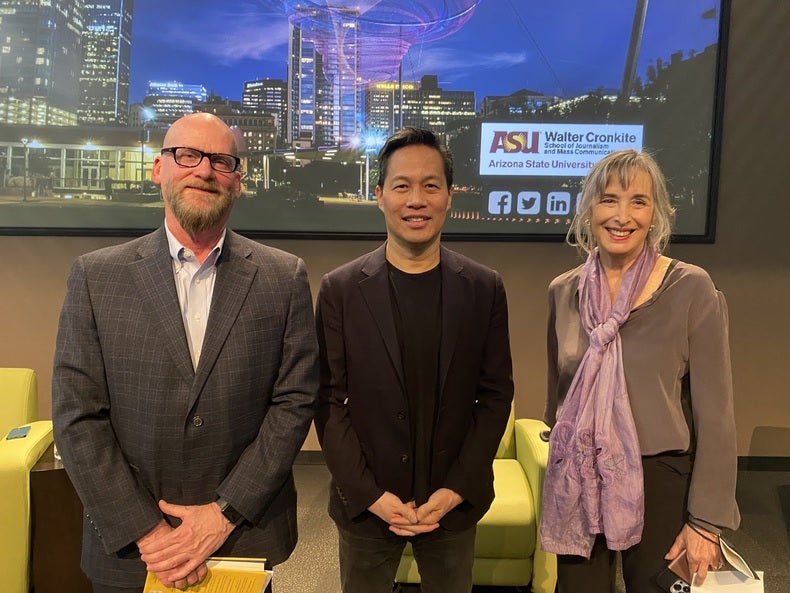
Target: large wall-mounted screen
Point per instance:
(527, 95)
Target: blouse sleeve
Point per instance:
(712, 494)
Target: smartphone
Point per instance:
(19, 432)
(669, 582)
(680, 567)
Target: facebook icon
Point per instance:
(500, 202)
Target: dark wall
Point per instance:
(750, 260)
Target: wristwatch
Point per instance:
(231, 514)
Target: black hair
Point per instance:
(410, 136)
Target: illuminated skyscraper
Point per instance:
(382, 104)
(172, 99)
(430, 106)
(174, 88)
(258, 133)
(301, 89)
(40, 55)
(268, 96)
(106, 54)
(391, 105)
(323, 84)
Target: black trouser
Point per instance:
(667, 481)
(444, 561)
(99, 588)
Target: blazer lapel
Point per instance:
(454, 301)
(153, 275)
(235, 273)
(376, 292)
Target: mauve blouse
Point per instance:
(676, 358)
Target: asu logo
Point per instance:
(512, 142)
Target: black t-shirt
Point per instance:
(417, 309)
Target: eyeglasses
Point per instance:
(192, 157)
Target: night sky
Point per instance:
(555, 47)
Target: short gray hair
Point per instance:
(623, 164)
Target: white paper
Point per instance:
(735, 560)
(730, 581)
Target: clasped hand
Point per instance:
(177, 556)
(408, 519)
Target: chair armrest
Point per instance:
(25, 452)
(532, 453)
(17, 457)
(20, 398)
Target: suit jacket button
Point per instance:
(197, 421)
(401, 415)
(404, 458)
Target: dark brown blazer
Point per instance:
(363, 420)
(135, 422)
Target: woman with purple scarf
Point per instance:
(642, 450)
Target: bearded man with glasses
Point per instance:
(184, 381)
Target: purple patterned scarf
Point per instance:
(594, 478)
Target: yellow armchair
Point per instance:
(507, 544)
(18, 407)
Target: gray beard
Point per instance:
(198, 221)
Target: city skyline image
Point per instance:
(563, 48)
(526, 95)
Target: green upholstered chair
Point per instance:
(507, 547)
(18, 407)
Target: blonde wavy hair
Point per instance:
(623, 164)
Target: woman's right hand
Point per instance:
(702, 552)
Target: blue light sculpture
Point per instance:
(370, 37)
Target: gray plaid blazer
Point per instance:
(135, 423)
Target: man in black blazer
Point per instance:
(416, 384)
(184, 381)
